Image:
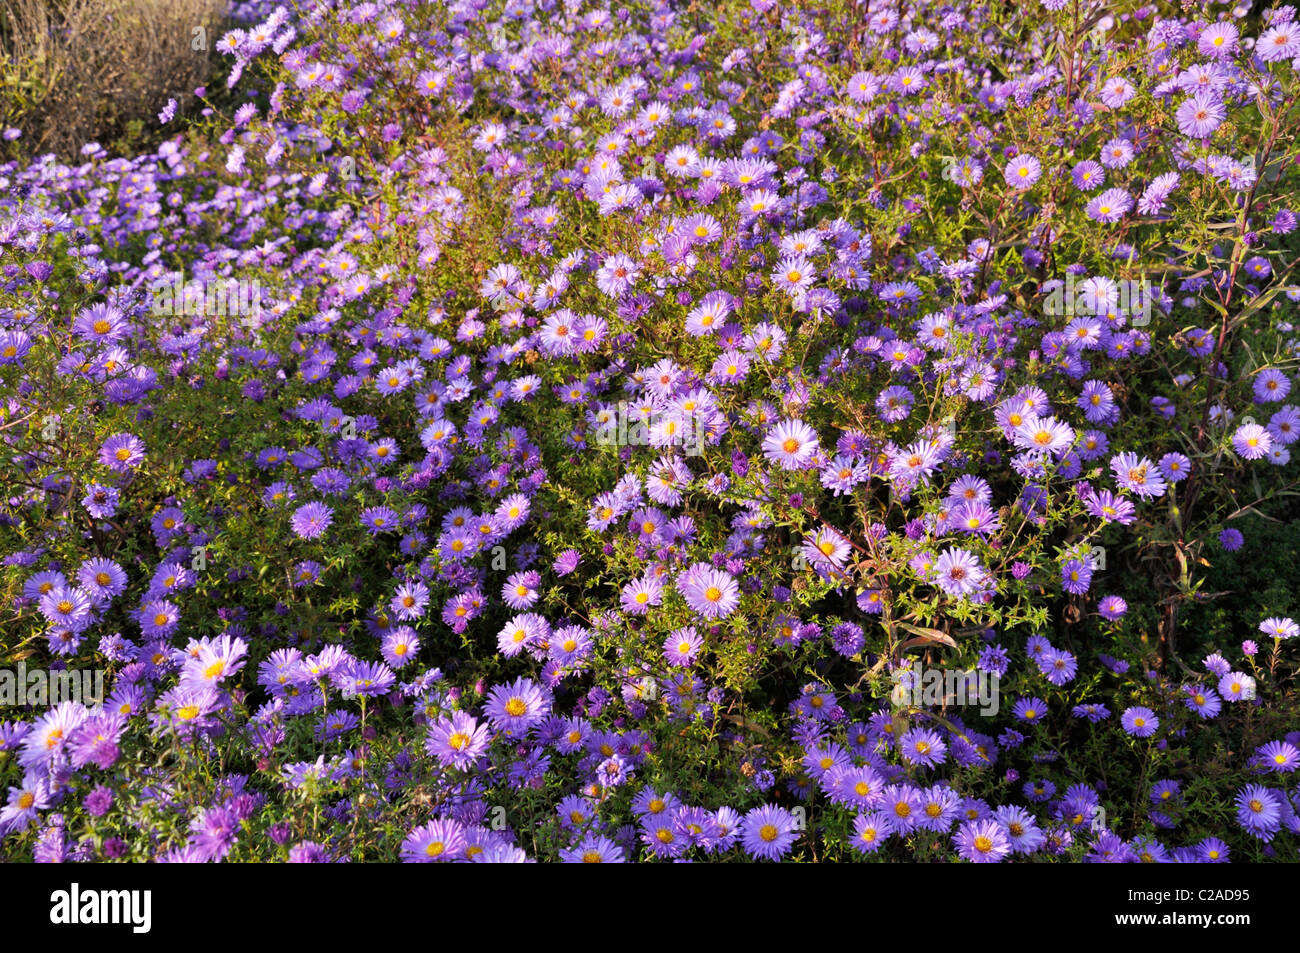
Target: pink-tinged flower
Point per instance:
(682, 646)
(1237, 686)
(710, 592)
(400, 646)
(1279, 43)
(1251, 441)
(1140, 476)
(1116, 92)
(1200, 115)
(1218, 40)
(791, 443)
(566, 562)
(457, 740)
(794, 275)
(1112, 607)
(311, 520)
(436, 841)
(958, 572)
(1117, 153)
(982, 841)
(1044, 435)
(639, 595)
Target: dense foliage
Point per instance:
(541, 430)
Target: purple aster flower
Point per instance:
(98, 801)
(1140, 722)
(982, 842)
(458, 740)
(791, 443)
(1259, 811)
(1212, 851)
(870, 830)
(1280, 757)
(1137, 475)
(1200, 115)
(1022, 172)
(1279, 43)
(710, 592)
(768, 832)
(1251, 441)
(1271, 385)
(1031, 710)
(959, 573)
(311, 520)
(380, 519)
(122, 452)
(436, 841)
(1237, 686)
(1088, 175)
(515, 708)
(1058, 665)
(1112, 607)
(923, 746)
(1110, 206)
(1277, 627)
(1218, 40)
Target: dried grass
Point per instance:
(76, 71)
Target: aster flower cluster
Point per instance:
(613, 371)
